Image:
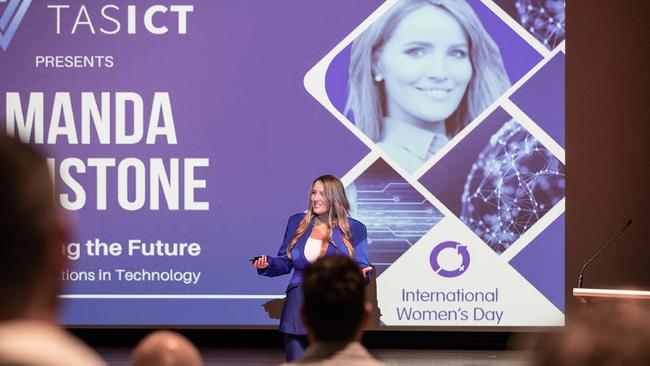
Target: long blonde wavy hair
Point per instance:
(337, 216)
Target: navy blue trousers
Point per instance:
(294, 346)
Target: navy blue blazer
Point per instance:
(281, 264)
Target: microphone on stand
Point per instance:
(601, 249)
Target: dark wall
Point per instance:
(607, 135)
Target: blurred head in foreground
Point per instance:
(334, 308)
(166, 348)
(31, 235)
(609, 334)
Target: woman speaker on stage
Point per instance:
(325, 229)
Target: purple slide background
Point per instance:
(238, 98)
(542, 98)
(236, 87)
(542, 262)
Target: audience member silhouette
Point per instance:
(611, 334)
(166, 348)
(31, 237)
(335, 312)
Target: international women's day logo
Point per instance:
(449, 259)
(10, 18)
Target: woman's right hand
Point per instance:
(261, 262)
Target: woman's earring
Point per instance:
(378, 78)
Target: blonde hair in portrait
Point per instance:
(366, 102)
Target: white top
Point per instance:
(408, 145)
(312, 249)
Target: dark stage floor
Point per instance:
(274, 356)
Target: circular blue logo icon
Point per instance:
(459, 249)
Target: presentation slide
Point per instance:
(181, 136)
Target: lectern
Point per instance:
(586, 295)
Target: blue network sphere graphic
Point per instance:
(512, 184)
(544, 19)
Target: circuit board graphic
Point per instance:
(395, 214)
